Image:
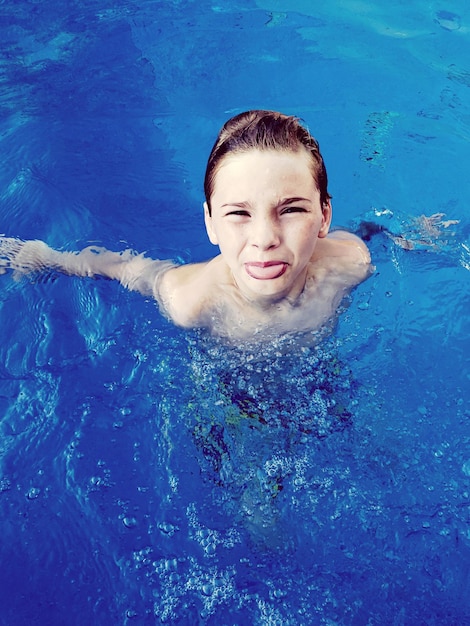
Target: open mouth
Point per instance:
(266, 271)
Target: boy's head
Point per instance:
(265, 130)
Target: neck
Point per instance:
(264, 304)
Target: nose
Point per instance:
(265, 233)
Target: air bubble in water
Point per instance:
(170, 564)
(129, 522)
(5, 484)
(167, 529)
(33, 493)
(207, 589)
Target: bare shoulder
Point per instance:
(345, 254)
(186, 292)
(341, 243)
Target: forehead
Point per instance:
(269, 168)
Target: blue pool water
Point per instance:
(150, 475)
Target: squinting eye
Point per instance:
(240, 213)
(294, 209)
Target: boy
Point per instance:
(268, 209)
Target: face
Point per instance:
(266, 220)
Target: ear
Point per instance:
(209, 226)
(327, 213)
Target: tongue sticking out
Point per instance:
(268, 271)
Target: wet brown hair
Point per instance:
(265, 130)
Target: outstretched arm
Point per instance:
(134, 271)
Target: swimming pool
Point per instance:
(153, 475)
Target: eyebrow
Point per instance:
(281, 202)
(241, 205)
(284, 201)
